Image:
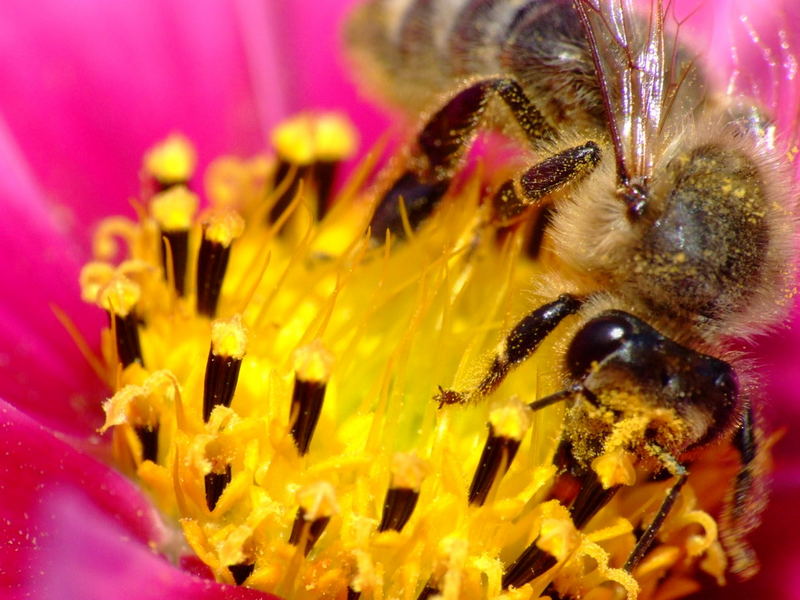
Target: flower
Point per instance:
(69, 510)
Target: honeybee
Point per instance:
(672, 218)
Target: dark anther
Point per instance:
(215, 484)
(148, 436)
(212, 262)
(241, 572)
(397, 508)
(428, 592)
(352, 594)
(310, 530)
(591, 497)
(283, 171)
(179, 249)
(222, 375)
(324, 175)
(307, 398)
(531, 563)
(129, 349)
(498, 452)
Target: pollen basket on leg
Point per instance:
(275, 374)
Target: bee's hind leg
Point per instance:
(439, 148)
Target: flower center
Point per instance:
(274, 373)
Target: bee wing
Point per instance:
(629, 58)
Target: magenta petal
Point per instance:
(308, 36)
(89, 85)
(34, 465)
(40, 367)
(90, 557)
(73, 528)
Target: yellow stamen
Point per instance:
(174, 209)
(171, 161)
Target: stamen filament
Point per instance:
(228, 342)
(317, 506)
(219, 231)
(403, 493)
(312, 370)
(507, 425)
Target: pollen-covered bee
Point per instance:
(671, 221)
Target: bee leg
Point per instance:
(745, 500)
(438, 150)
(648, 537)
(518, 345)
(517, 194)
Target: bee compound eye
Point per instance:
(726, 383)
(595, 341)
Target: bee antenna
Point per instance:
(582, 7)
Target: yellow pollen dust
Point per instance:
(307, 138)
(171, 161)
(313, 362)
(314, 418)
(512, 420)
(222, 226)
(228, 337)
(174, 209)
(119, 295)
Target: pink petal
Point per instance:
(88, 556)
(73, 528)
(35, 465)
(89, 85)
(40, 366)
(316, 74)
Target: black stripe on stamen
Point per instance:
(324, 175)
(241, 571)
(408, 472)
(398, 508)
(228, 346)
(222, 375)
(531, 563)
(590, 499)
(179, 250)
(307, 399)
(498, 452)
(129, 349)
(308, 530)
(312, 365)
(148, 436)
(428, 592)
(215, 484)
(212, 262)
(352, 594)
(282, 171)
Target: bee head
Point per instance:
(618, 355)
